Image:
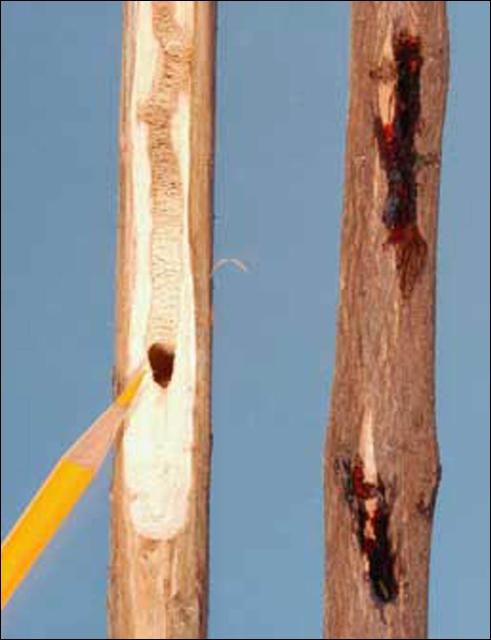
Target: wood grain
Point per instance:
(159, 542)
(382, 399)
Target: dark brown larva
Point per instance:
(162, 363)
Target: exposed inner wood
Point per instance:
(160, 491)
(158, 438)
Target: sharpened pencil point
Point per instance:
(129, 392)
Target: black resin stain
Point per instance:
(399, 158)
(371, 516)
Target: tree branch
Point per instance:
(159, 561)
(381, 460)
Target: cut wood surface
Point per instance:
(159, 540)
(381, 460)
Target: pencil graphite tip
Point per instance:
(126, 397)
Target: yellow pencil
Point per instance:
(61, 491)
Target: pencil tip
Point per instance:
(126, 397)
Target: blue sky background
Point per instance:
(281, 112)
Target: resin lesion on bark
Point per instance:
(370, 511)
(400, 161)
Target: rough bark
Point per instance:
(381, 458)
(159, 544)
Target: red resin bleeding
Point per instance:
(372, 522)
(397, 150)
